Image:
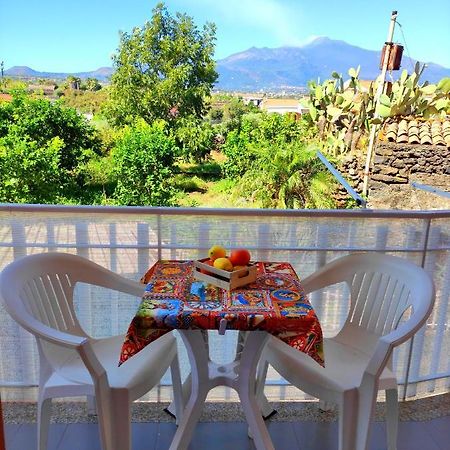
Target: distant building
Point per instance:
(252, 99)
(364, 84)
(47, 89)
(5, 97)
(283, 106)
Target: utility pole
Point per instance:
(380, 89)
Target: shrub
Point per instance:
(40, 121)
(144, 158)
(239, 154)
(195, 138)
(31, 173)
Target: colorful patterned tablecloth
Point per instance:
(275, 303)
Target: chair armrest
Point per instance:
(81, 344)
(49, 334)
(320, 279)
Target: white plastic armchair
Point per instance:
(358, 360)
(38, 293)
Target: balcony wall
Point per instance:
(128, 240)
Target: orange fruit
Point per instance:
(240, 257)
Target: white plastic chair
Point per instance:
(38, 294)
(358, 360)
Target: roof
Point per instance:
(417, 131)
(280, 102)
(5, 97)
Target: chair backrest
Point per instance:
(382, 288)
(41, 287)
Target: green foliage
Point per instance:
(143, 159)
(91, 84)
(271, 164)
(40, 121)
(409, 97)
(29, 172)
(227, 112)
(195, 138)
(343, 116)
(85, 101)
(259, 130)
(288, 176)
(239, 153)
(163, 70)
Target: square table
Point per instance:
(274, 303)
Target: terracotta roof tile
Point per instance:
(416, 131)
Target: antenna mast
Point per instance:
(380, 87)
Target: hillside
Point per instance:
(277, 68)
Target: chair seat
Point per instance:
(134, 372)
(344, 366)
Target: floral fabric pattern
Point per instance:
(275, 302)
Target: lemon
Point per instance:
(223, 263)
(216, 251)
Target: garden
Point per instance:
(159, 136)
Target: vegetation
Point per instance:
(163, 70)
(158, 137)
(343, 114)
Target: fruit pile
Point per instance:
(238, 259)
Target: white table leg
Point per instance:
(205, 375)
(246, 387)
(199, 388)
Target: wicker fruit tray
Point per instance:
(223, 278)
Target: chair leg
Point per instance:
(177, 389)
(348, 408)
(44, 410)
(392, 418)
(114, 419)
(366, 406)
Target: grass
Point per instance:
(203, 186)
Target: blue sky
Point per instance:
(50, 35)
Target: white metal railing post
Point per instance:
(413, 364)
(143, 247)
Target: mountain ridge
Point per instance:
(276, 68)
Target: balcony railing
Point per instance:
(130, 239)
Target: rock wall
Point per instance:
(395, 167)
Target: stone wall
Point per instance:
(395, 167)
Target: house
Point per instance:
(5, 97)
(283, 106)
(46, 89)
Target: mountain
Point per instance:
(288, 67)
(103, 73)
(278, 68)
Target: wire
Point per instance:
(406, 46)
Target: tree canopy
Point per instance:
(163, 70)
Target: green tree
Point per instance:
(30, 173)
(163, 70)
(73, 82)
(195, 138)
(91, 84)
(144, 157)
(38, 120)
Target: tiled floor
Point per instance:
(424, 435)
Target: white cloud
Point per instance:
(281, 21)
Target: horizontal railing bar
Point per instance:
(432, 189)
(198, 247)
(235, 212)
(358, 199)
